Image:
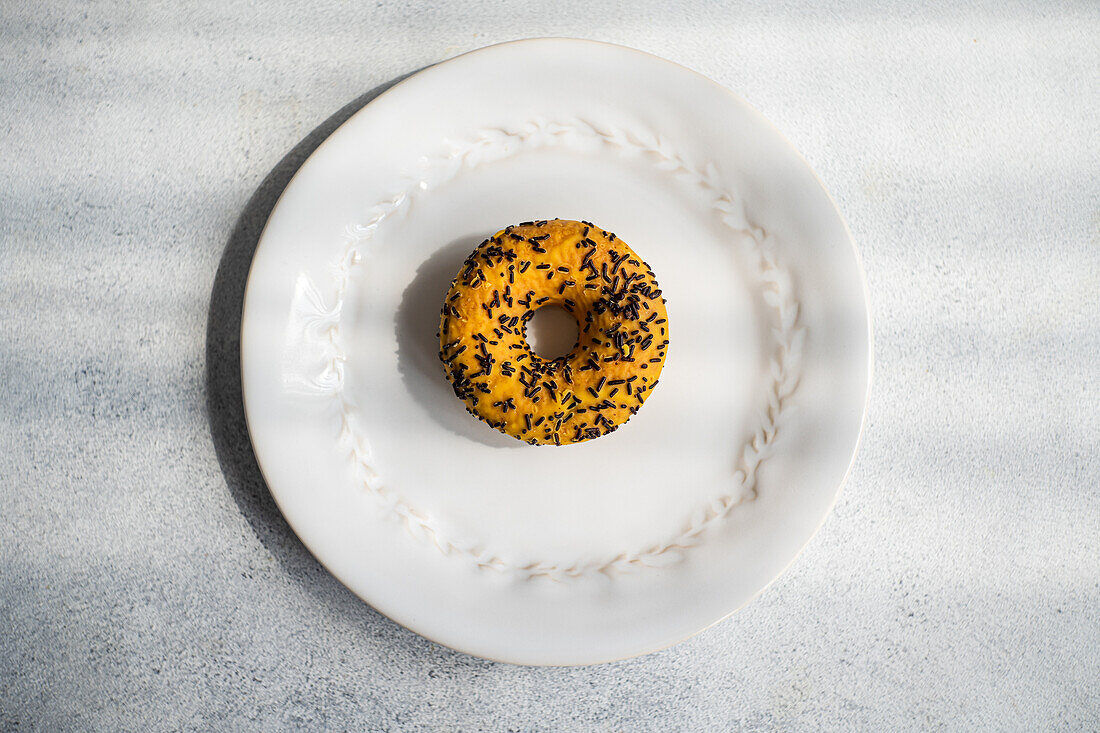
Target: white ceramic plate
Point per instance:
(575, 554)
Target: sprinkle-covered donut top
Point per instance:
(622, 324)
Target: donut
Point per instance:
(621, 320)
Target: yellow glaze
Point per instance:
(621, 316)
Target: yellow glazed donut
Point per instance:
(622, 323)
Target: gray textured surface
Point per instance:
(146, 579)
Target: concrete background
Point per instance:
(147, 580)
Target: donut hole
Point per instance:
(552, 332)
